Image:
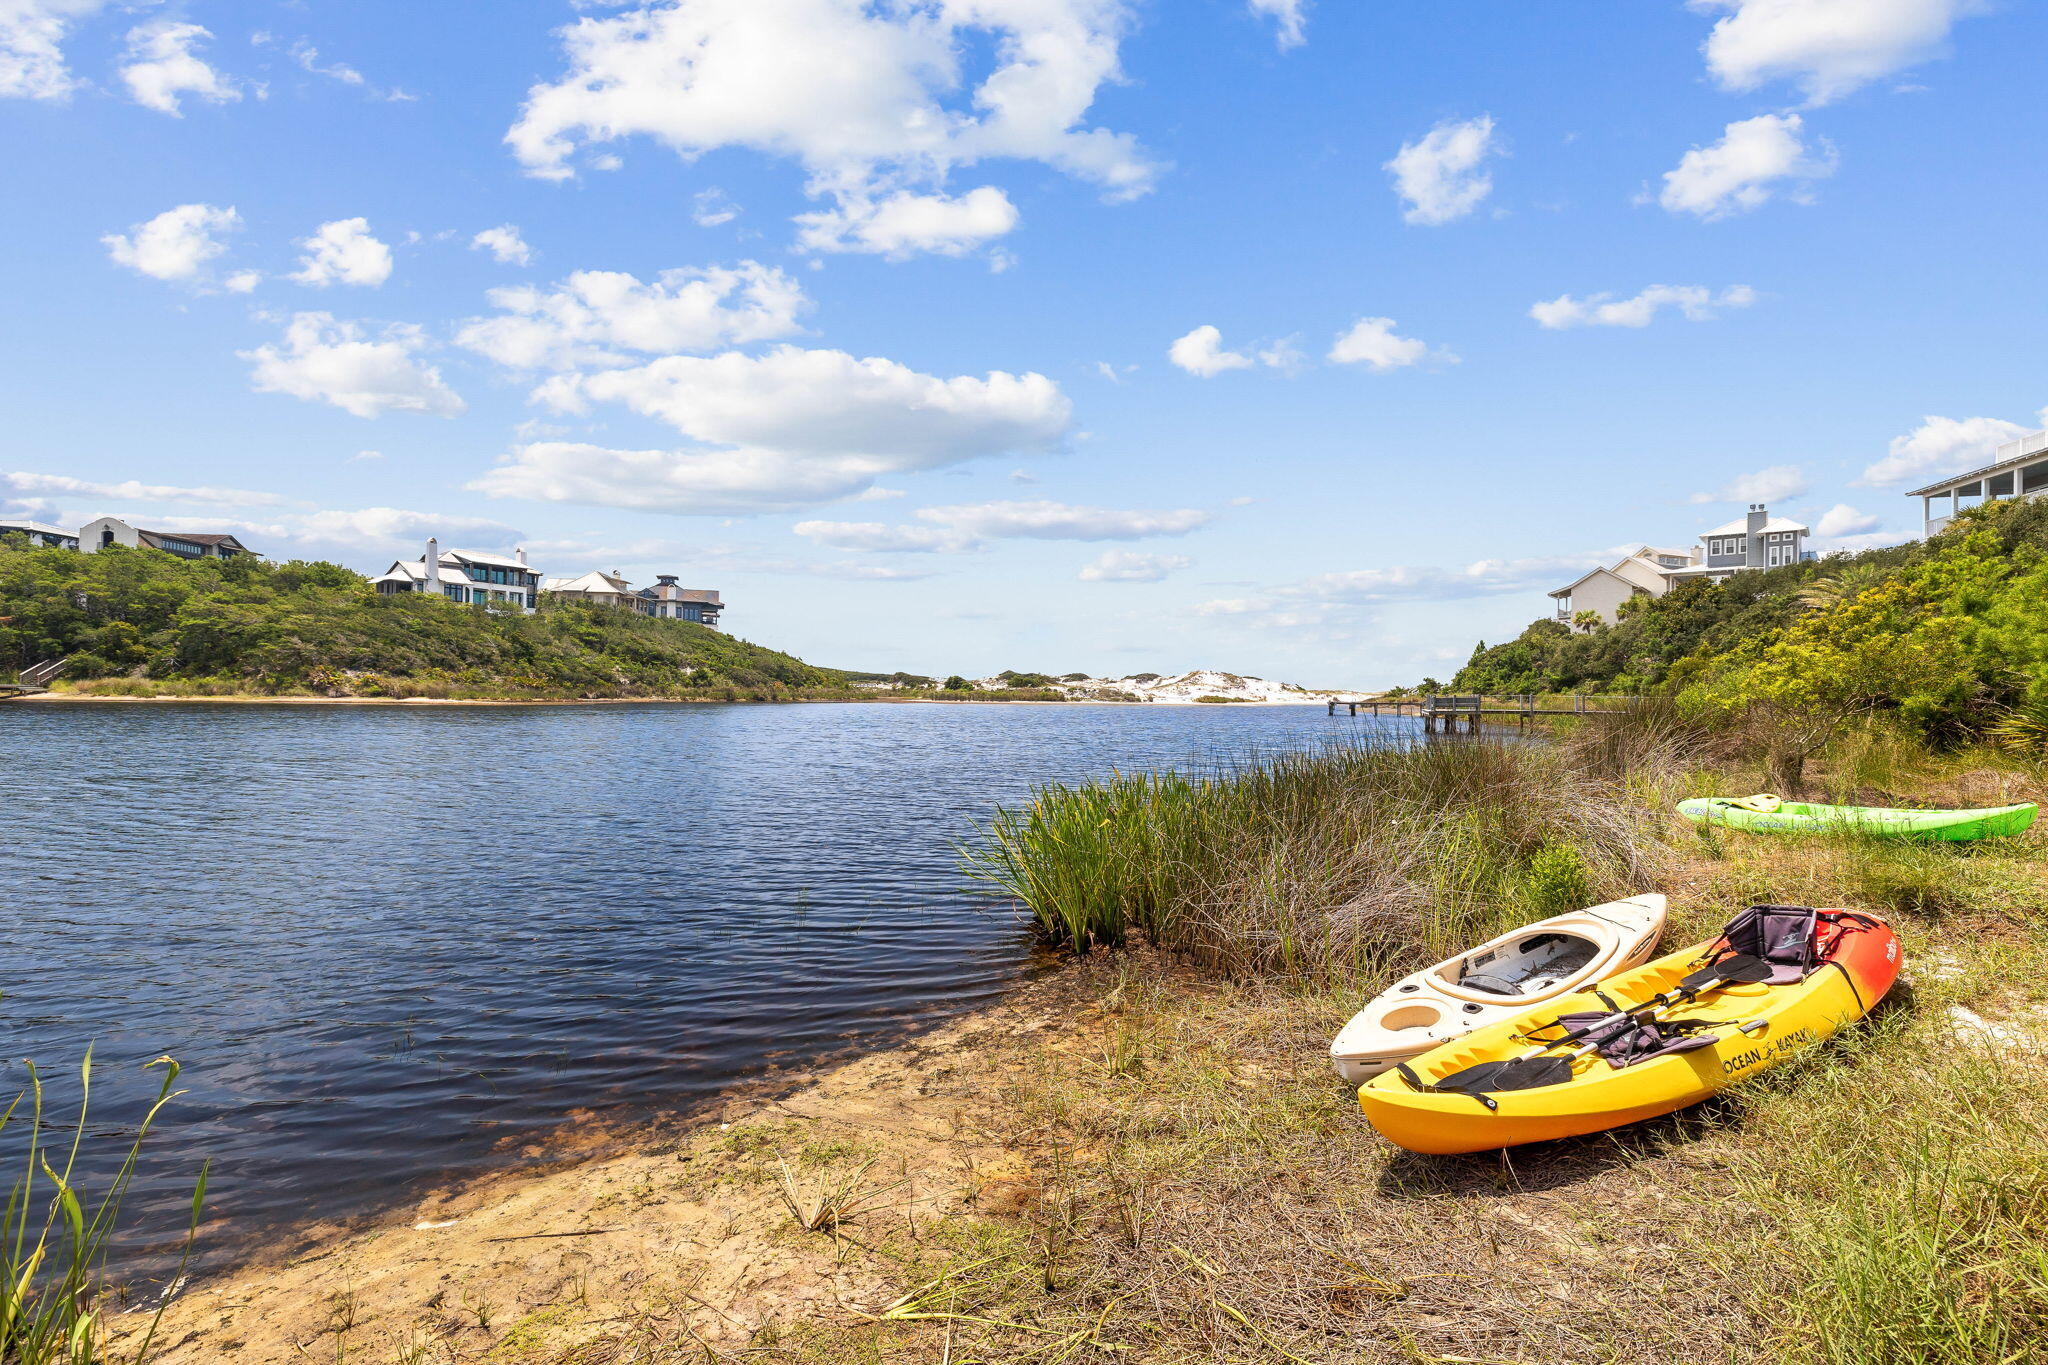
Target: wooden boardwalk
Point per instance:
(1445, 713)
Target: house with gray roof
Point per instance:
(1756, 540)
(665, 599)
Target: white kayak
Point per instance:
(1497, 980)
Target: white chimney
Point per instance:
(433, 567)
(520, 555)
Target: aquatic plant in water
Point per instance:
(54, 1239)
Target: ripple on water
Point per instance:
(394, 946)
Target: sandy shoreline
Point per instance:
(686, 1234)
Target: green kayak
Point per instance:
(1769, 815)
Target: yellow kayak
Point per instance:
(1740, 1028)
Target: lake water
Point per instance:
(394, 945)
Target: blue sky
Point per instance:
(888, 320)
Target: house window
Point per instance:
(2034, 478)
(1998, 486)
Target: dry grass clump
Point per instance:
(1320, 865)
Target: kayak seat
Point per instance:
(1535, 965)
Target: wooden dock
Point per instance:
(1444, 714)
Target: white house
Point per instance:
(1757, 540)
(97, 535)
(2020, 470)
(39, 534)
(465, 576)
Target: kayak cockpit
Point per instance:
(1522, 968)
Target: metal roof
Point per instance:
(1741, 527)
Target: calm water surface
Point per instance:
(395, 945)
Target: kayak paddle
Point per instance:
(1534, 1070)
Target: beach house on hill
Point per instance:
(701, 605)
(594, 589)
(1756, 540)
(2019, 469)
(97, 535)
(465, 576)
(39, 534)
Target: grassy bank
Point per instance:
(142, 622)
(1204, 1190)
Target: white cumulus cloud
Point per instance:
(968, 526)
(600, 317)
(1439, 176)
(1372, 342)
(1941, 446)
(788, 428)
(1045, 520)
(1692, 301)
(1201, 352)
(904, 224)
(344, 252)
(875, 536)
(1755, 159)
(1778, 482)
(505, 244)
(1332, 596)
(32, 34)
(1844, 520)
(176, 244)
(869, 99)
(162, 67)
(1828, 47)
(322, 360)
(1290, 19)
(1131, 566)
(133, 490)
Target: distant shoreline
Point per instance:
(255, 699)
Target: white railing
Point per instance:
(2030, 444)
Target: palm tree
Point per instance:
(1838, 587)
(1586, 620)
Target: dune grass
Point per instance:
(1210, 1194)
(1322, 865)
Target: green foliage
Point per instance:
(956, 683)
(1949, 637)
(1321, 864)
(1556, 880)
(153, 619)
(1014, 679)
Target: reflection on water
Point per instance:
(395, 944)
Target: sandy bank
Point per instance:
(688, 1240)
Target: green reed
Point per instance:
(54, 1239)
(1320, 863)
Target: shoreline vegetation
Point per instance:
(1144, 1155)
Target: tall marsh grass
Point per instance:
(1320, 864)
(54, 1237)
